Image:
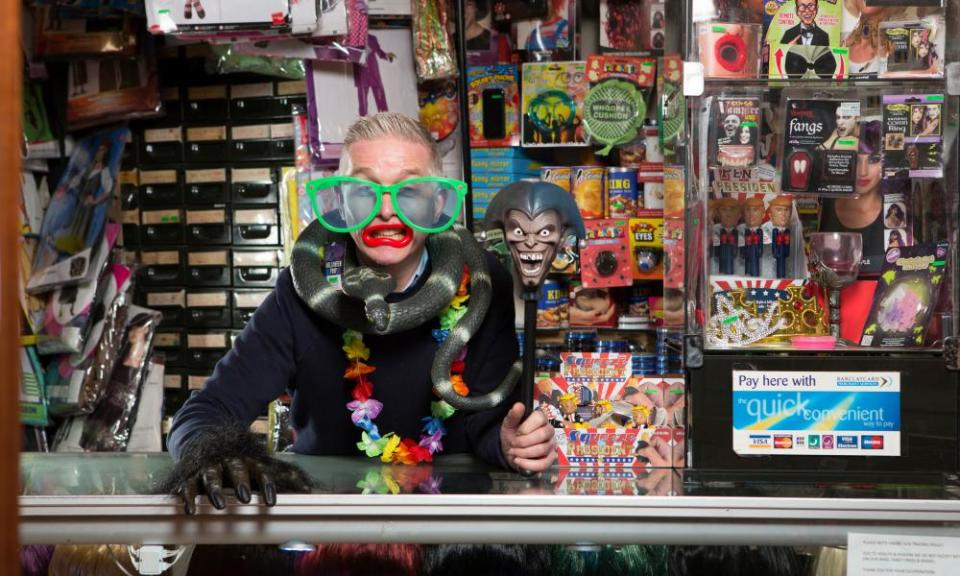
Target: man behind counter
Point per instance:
(286, 347)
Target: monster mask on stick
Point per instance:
(535, 217)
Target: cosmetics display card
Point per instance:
(820, 146)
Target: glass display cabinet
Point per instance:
(109, 498)
(821, 225)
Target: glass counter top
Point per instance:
(110, 498)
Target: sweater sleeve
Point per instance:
(255, 372)
(497, 350)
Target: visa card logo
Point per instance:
(846, 442)
(759, 440)
(871, 442)
(813, 442)
(783, 442)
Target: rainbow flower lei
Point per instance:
(364, 408)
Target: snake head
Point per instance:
(378, 313)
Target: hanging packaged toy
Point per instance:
(913, 135)
(729, 50)
(605, 260)
(218, 16)
(906, 295)
(108, 427)
(553, 99)
(433, 50)
(110, 90)
(70, 310)
(916, 48)
(736, 132)
(615, 106)
(492, 92)
(820, 146)
(76, 217)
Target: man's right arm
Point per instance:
(256, 371)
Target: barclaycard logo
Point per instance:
(813, 441)
(862, 381)
(846, 442)
(827, 441)
(871, 442)
(759, 440)
(783, 442)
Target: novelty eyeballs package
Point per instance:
(906, 296)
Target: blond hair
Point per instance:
(386, 124)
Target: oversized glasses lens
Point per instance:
(428, 204)
(345, 205)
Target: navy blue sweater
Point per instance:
(287, 348)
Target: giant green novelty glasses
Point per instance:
(345, 204)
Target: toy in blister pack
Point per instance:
(553, 97)
(736, 132)
(75, 219)
(615, 106)
(916, 48)
(906, 295)
(646, 246)
(605, 259)
(913, 135)
(820, 146)
(729, 50)
(492, 93)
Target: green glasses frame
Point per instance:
(458, 186)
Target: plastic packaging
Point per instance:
(110, 90)
(433, 49)
(107, 428)
(76, 217)
(227, 60)
(230, 16)
(75, 382)
(69, 313)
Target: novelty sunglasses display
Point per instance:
(428, 204)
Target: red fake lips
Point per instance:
(390, 235)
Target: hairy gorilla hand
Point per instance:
(231, 455)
